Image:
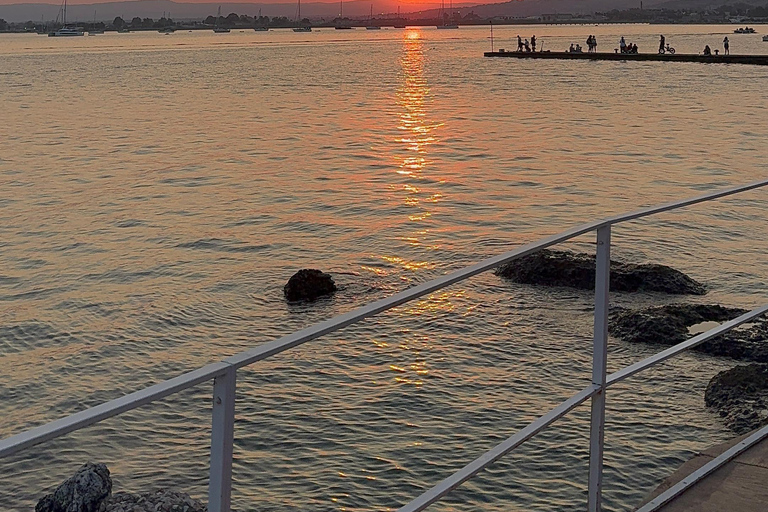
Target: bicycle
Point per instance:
(667, 49)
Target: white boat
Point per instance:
(370, 25)
(65, 31)
(447, 24)
(216, 27)
(306, 28)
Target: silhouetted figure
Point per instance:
(661, 44)
(634, 48)
(726, 46)
(622, 45)
(527, 47)
(589, 43)
(571, 49)
(707, 50)
(519, 44)
(533, 43)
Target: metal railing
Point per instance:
(224, 375)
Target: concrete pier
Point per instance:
(758, 60)
(739, 485)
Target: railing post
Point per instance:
(222, 437)
(599, 357)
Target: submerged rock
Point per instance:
(90, 490)
(669, 325)
(82, 492)
(308, 284)
(740, 396)
(157, 501)
(565, 268)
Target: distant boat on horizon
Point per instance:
(370, 25)
(216, 27)
(65, 31)
(298, 21)
(446, 21)
(341, 23)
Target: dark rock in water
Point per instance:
(668, 325)
(309, 284)
(83, 492)
(564, 268)
(157, 501)
(740, 395)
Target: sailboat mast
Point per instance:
(65, 13)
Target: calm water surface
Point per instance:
(156, 192)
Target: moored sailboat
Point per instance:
(370, 25)
(305, 28)
(65, 31)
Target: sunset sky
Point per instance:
(412, 4)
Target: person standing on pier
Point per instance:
(623, 45)
(527, 48)
(519, 44)
(661, 44)
(533, 43)
(726, 46)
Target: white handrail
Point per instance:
(224, 372)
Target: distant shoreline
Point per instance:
(389, 24)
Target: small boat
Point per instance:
(447, 24)
(745, 30)
(65, 31)
(341, 22)
(93, 30)
(167, 30)
(305, 28)
(765, 38)
(218, 29)
(370, 25)
(260, 29)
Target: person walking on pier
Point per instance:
(533, 43)
(726, 46)
(661, 44)
(519, 44)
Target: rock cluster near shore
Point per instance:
(90, 490)
(740, 396)
(565, 268)
(668, 325)
(308, 284)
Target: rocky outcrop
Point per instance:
(308, 284)
(157, 501)
(564, 268)
(82, 492)
(740, 396)
(668, 325)
(90, 490)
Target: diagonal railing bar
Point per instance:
(689, 343)
(497, 452)
(224, 372)
(60, 427)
